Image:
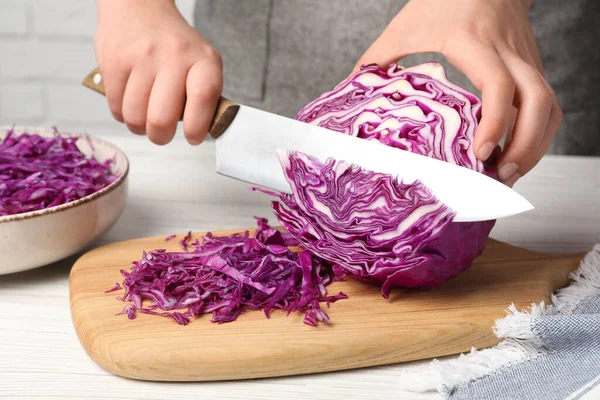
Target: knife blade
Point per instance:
(248, 139)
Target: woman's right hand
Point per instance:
(155, 68)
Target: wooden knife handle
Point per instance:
(224, 114)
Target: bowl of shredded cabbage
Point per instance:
(59, 192)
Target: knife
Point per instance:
(248, 139)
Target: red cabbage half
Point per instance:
(370, 225)
(226, 275)
(38, 172)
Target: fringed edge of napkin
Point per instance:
(520, 343)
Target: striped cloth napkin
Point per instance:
(549, 352)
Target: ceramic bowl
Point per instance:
(38, 238)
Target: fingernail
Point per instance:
(510, 182)
(194, 142)
(485, 151)
(507, 170)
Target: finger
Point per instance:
(534, 54)
(203, 88)
(115, 81)
(165, 106)
(554, 121)
(526, 47)
(533, 50)
(135, 100)
(534, 100)
(511, 125)
(486, 69)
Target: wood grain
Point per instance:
(224, 115)
(367, 330)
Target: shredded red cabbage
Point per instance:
(227, 275)
(39, 172)
(183, 243)
(170, 237)
(114, 288)
(369, 225)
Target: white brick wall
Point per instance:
(72, 18)
(46, 49)
(45, 59)
(13, 18)
(21, 101)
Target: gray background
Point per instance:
(281, 54)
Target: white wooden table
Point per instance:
(174, 189)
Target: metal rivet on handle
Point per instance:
(97, 78)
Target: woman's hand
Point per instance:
(492, 43)
(151, 59)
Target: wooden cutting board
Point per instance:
(366, 329)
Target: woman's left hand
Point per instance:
(492, 43)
